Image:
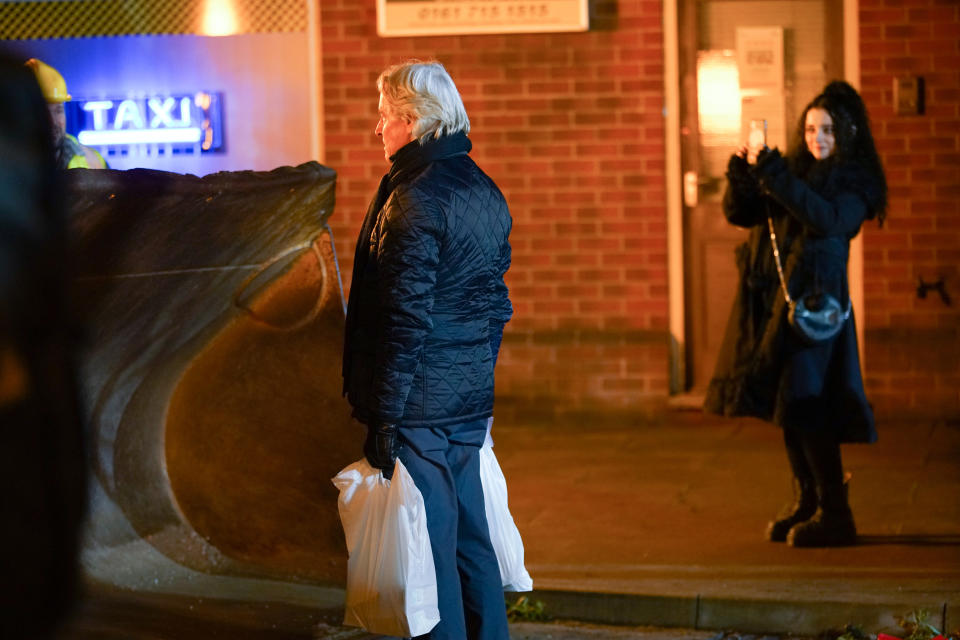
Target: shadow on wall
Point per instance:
(211, 373)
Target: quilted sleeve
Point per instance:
(407, 260)
(500, 309)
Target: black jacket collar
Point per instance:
(415, 155)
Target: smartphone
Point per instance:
(756, 139)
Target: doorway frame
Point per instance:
(674, 188)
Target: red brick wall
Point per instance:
(913, 344)
(571, 128)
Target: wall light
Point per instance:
(718, 98)
(219, 18)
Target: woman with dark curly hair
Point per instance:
(805, 207)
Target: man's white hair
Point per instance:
(424, 93)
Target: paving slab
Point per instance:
(660, 521)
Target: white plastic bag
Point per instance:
(503, 531)
(391, 579)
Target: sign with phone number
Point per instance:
(453, 17)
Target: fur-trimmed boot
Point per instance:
(802, 509)
(831, 526)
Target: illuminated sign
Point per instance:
(153, 125)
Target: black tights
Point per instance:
(814, 456)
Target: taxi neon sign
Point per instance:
(156, 120)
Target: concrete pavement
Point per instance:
(150, 617)
(116, 616)
(658, 520)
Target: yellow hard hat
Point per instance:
(52, 84)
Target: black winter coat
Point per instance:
(764, 370)
(428, 301)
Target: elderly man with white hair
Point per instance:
(425, 318)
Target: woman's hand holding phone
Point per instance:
(756, 140)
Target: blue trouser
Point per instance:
(444, 463)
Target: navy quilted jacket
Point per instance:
(427, 299)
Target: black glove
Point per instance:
(382, 446)
(771, 166)
(769, 161)
(738, 168)
(740, 175)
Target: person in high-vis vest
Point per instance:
(70, 153)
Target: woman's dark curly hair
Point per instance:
(853, 142)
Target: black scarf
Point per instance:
(406, 162)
